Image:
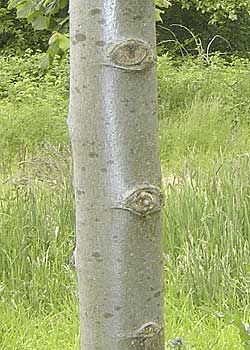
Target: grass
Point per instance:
(204, 134)
(23, 329)
(207, 233)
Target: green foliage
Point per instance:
(16, 35)
(45, 14)
(23, 328)
(48, 15)
(234, 318)
(26, 97)
(183, 31)
(218, 10)
(203, 79)
(23, 80)
(243, 328)
(159, 10)
(206, 230)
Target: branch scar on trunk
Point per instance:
(147, 337)
(131, 54)
(143, 201)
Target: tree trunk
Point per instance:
(117, 179)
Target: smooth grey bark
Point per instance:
(117, 179)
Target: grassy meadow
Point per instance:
(204, 127)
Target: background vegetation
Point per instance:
(16, 35)
(204, 127)
(223, 25)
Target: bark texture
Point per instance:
(113, 129)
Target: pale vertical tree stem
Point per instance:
(117, 179)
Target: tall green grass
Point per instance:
(207, 226)
(37, 234)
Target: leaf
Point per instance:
(158, 12)
(158, 15)
(162, 3)
(53, 38)
(24, 10)
(61, 40)
(45, 61)
(40, 23)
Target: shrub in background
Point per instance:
(16, 35)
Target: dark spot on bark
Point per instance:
(83, 168)
(125, 100)
(118, 308)
(103, 170)
(108, 315)
(138, 18)
(79, 192)
(97, 256)
(148, 300)
(93, 155)
(157, 294)
(95, 12)
(97, 220)
(79, 37)
(77, 90)
(100, 43)
(110, 162)
(152, 288)
(101, 21)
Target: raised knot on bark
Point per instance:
(131, 54)
(147, 337)
(144, 200)
(149, 330)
